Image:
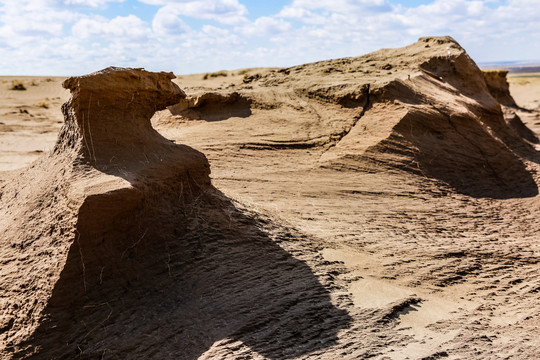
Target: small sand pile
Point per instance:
(115, 245)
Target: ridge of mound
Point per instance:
(116, 244)
(425, 108)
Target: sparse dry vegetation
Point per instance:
(17, 85)
(43, 104)
(524, 78)
(215, 75)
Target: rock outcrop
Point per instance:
(497, 83)
(425, 108)
(116, 245)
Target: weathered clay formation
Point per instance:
(96, 185)
(118, 235)
(425, 108)
(116, 244)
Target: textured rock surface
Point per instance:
(425, 108)
(94, 184)
(498, 86)
(448, 258)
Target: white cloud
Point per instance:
(304, 15)
(168, 22)
(354, 27)
(212, 38)
(223, 11)
(119, 28)
(88, 3)
(74, 36)
(265, 26)
(363, 7)
(21, 22)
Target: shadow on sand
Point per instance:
(461, 153)
(186, 277)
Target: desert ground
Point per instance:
(333, 249)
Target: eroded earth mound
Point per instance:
(386, 206)
(415, 170)
(425, 108)
(115, 245)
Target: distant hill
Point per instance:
(513, 66)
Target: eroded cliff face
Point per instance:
(425, 108)
(116, 245)
(408, 167)
(497, 83)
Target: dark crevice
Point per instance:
(287, 144)
(400, 308)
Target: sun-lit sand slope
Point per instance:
(525, 88)
(381, 206)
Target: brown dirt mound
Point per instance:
(425, 108)
(129, 257)
(115, 245)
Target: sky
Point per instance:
(75, 37)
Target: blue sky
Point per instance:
(72, 37)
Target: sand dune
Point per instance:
(382, 206)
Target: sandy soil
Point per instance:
(456, 276)
(30, 119)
